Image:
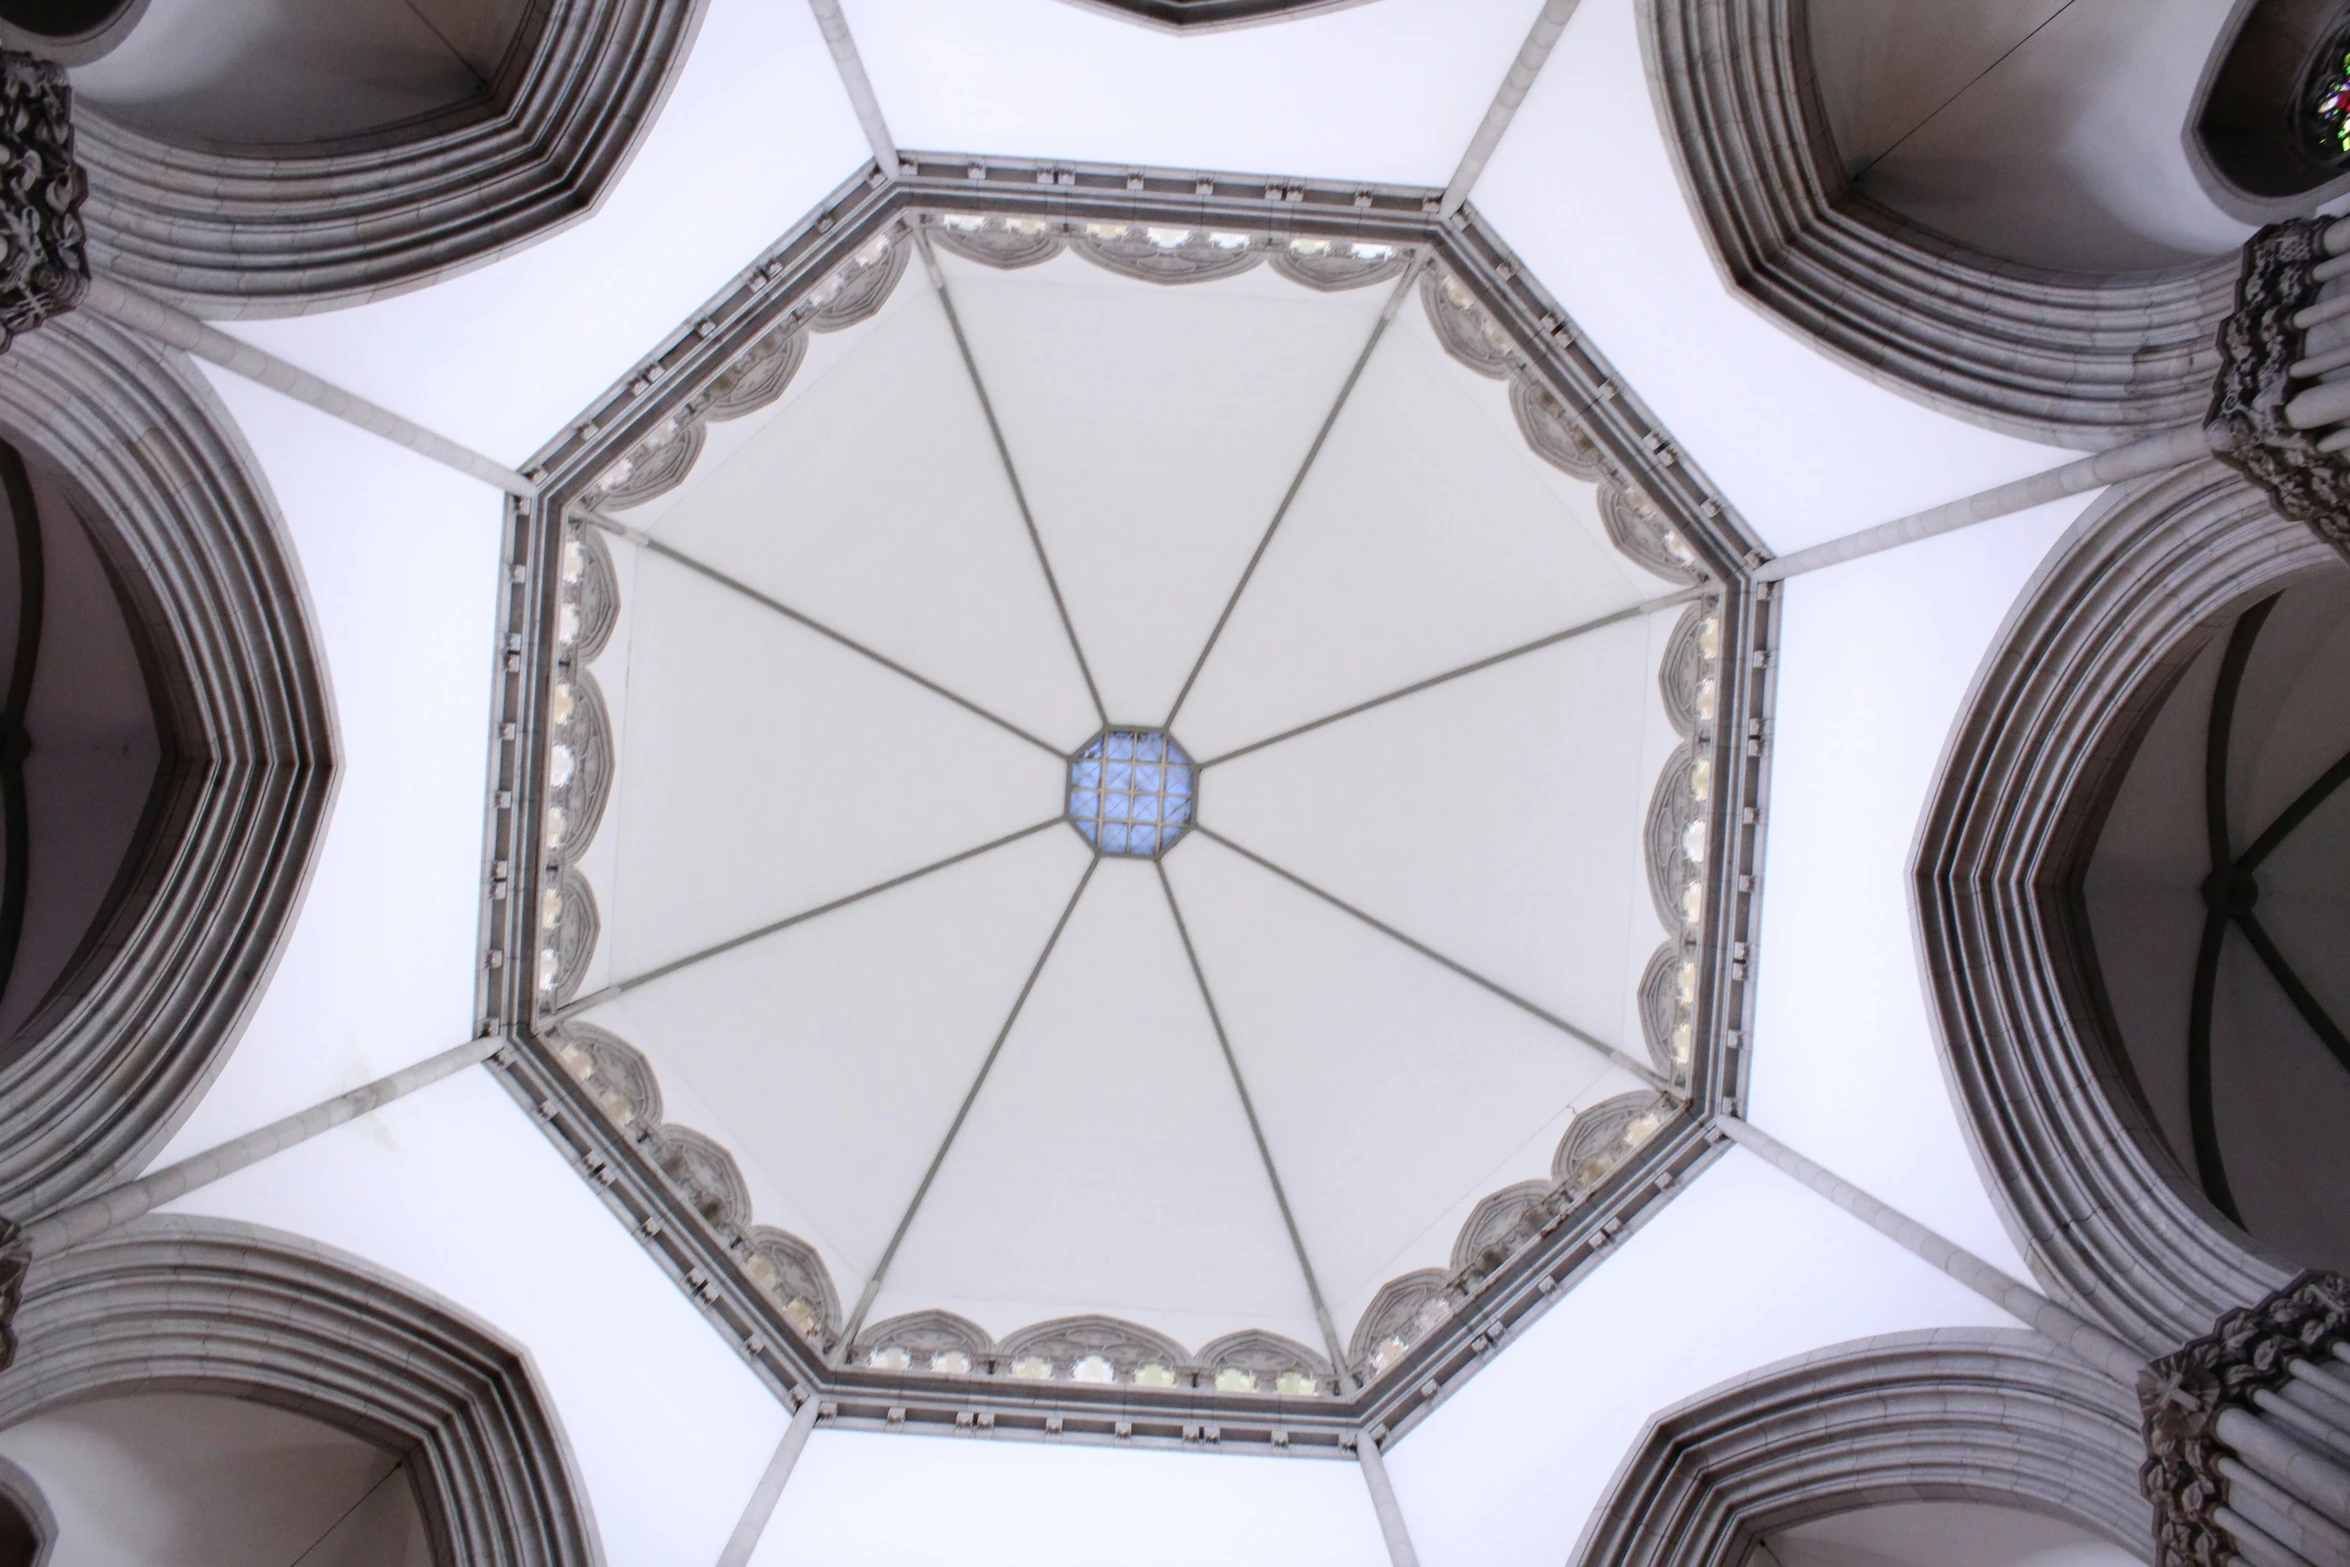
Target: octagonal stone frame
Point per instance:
(1612, 430)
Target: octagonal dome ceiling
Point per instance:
(1121, 832)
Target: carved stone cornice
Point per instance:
(2247, 425)
(44, 270)
(2187, 1395)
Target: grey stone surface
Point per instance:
(2001, 1417)
(183, 518)
(201, 1305)
(2110, 1224)
(226, 233)
(2079, 359)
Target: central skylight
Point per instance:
(1132, 791)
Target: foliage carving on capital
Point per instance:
(2248, 1351)
(2260, 345)
(45, 270)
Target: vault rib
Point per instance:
(1387, 313)
(618, 988)
(1305, 1266)
(1637, 1068)
(646, 541)
(938, 281)
(872, 1290)
(1634, 612)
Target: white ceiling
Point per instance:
(457, 1189)
(1107, 1164)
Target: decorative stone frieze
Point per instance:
(44, 268)
(2248, 1434)
(2305, 474)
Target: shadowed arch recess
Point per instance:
(212, 1307)
(2001, 1417)
(2112, 1223)
(286, 229)
(191, 539)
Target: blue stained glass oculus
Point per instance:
(1131, 791)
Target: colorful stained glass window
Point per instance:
(2330, 100)
(1131, 791)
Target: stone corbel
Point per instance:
(2280, 407)
(2248, 1435)
(44, 269)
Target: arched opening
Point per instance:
(272, 156)
(196, 1480)
(2269, 133)
(2061, 870)
(275, 73)
(28, 1530)
(86, 752)
(190, 1393)
(2038, 131)
(1983, 204)
(2216, 899)
(67, 31)
(169, 757)
(1938, 1534)
(2004, 1451)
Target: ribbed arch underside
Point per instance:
(863, 636)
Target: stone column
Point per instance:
(2248, 1432)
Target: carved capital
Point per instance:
(2182, 1396)
(44, 270)
(2259, 344)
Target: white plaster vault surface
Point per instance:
(456, 1189)
(1107, 1165)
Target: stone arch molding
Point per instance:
(175, 504)
(2000, 1417)
(206, 1306)
(2077, 359)
(2109, 1221)
(228, 233)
